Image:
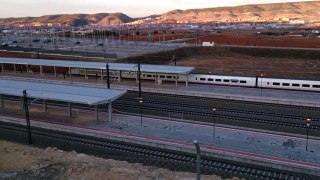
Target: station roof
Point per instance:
(99, 65)
(58, 92)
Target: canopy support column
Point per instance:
(119, 76)
(85, 74)
(14, 68)
(2, 67)
(70, 72)
(27, 69)
(101, 74)
(187, 81)
(44, 106)
(70, 109)
(97, 112)
(1, 101)
(110, 111)
(176, 79)
(156, 79)
(41, 71)
(55, 71)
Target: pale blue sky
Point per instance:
(133, 8)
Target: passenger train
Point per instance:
(257, 82)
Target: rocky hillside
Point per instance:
(263, 12)
(70, 19)
(295, 12)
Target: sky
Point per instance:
(133, 8)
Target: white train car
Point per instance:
(221, 80)
(261, 82)
(303, 85)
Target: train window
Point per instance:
(234, 81)
(243, 82)
(202, 79)
(226, 80)
(210, 79)
(285, 84)
(148, 75)
(276, 84)
(295, 85)
(196, 78)
(305, 85)
(169, 77)
(144, 75)
(161, 76)
(316, 86)
(153, 75)
(177, 77)
(218, 80)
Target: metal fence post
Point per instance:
(26, 110)
(195, 142)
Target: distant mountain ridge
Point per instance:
(298, 11)
(70, 19)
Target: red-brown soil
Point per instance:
(260, 40)
(255, 66)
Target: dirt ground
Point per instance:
(260, 40)
(255, 66)
(26, 162)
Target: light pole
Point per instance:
(308, 126)
(196, 143)
(140, 102)
(261, 84)
(214, 122)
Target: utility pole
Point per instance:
(108, 78)
(26, 110)
(139, 78)
(140, 95)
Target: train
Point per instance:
(254, 82)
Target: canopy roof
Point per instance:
(99, 65)
(58, 92)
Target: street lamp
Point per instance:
(214, 121)
(196, 143)
(140, 102)
(308, 127)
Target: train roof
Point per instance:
(59, 92)
(99, 65)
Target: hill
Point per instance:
(294, 12)
(307, 11)
(70, 19)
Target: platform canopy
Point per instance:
(98, 65)
(59, 92)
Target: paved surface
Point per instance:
(293, 148)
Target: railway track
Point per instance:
(201, 110)
(117, 150)
(222, 113)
